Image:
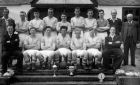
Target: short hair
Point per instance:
(32, 28)
(6, 10)
(77, 8)
(114, 10)
(89, 10)
(63, 27)
(46, 28)
(36, 10)
(51, 9)
(23, 12)
(64, 13)
(128, 15)
(101, 10)
(113, 27)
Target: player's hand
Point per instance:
(8, 41)
(117, 42)
(109, 42)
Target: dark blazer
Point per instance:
(117, 24)
(3, 29)
(114, 44)
(134, 30)
(10, 43)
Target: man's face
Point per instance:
(48, 31)
(32, 31)
(101, 14)
(90, 13)
(129, 18)
(22, 15)
(36, 14)
(50, 12)
(5, 12)
(114, 14)
(77, 12)
(63, 31)
(112, 30)
(63, 17)
(10, 29)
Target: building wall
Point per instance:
(107, 10)
(15, 10)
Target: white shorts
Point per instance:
(30, 52)
(46, 53)
(64, 51)
(79, 52)
(94, 52)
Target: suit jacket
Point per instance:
(3, 29)
(10, 43)
(114, 44)
(135, 31)
(117, 24)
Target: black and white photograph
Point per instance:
(69, 42)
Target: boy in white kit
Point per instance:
(77, 22)
(63, 45)
(32, 45)
(63, 22)
(51, 21)
(37, 23)
(78, 48)
(90, 22)
(22, 27)
(93, 44)
(46, 55)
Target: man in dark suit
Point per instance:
(116, 22)
(112, 47)
(130, 36)
(4, 21)
(10, 47)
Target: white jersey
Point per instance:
(52, 22)
(47, 42)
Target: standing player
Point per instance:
(22, 28)
(77, 22)
(90, 22)
(78, 48)
(32, 45)
(63, 22)
(46, 55)
(63, 45)
(102, 26)
(51, 21)
(37, 23)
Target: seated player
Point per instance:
(46, 54)
(78, 48)
(32, 45)
(10, 44)
(112, 47)
(63, 45)
(93, 44)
